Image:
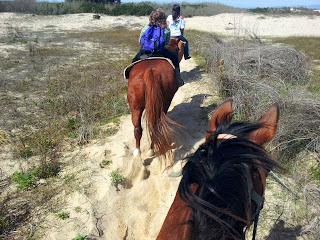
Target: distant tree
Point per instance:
(24, 6)
(96, 1)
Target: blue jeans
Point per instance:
(186, 46)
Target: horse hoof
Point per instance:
(137, 153)
(173, 145)
(150, 153)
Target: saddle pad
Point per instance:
(128, 69)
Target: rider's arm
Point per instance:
(166, 36)
(143, 30)
(168, 20)
(183, 24)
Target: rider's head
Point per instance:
(175, 11)
(158, 17)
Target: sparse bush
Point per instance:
(63, 215)
(27, 180)
(116, 177)
(77, 209)
(106, 162)
(255, 75)
(79, 237)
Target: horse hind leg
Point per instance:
(136, 171)
(136, 120)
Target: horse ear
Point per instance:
(269, 123)
(223, 114)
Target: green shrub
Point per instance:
(116, 177)
(63, 215)
(79, 237)
(136, 9)
(89, 7)
(106, 162)
(27, 180)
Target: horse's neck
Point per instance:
(176, 226)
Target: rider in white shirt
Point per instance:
(176, 23)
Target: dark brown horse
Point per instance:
(222, 188)
(151, 87)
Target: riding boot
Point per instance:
(178, 75)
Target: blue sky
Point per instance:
(247, 3)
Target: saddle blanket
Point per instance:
(128, 69)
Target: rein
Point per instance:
(255, 197)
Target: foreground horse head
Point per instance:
(177, 47)
(151, 87)
(222, 188)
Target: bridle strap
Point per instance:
(255, 197)
(255, 226)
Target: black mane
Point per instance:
(222, 203)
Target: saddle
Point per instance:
(127, 70)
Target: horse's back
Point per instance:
(150, 65)
(154, 70)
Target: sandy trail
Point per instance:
(136, 211)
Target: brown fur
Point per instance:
(177, 47)
(151, 87)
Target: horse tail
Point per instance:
(158, 127)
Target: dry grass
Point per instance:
(56, 92)
(256, 75)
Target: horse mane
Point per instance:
(223, 196)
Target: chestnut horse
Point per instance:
(151, 87)
(177, 47)
(222, 189)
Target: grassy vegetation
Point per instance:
(55, 97)
(308, 45)
(27, 180)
